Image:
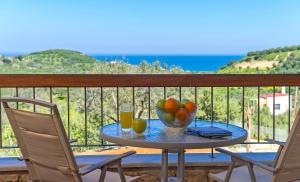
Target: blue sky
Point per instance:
(149, 26)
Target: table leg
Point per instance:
(164, 174)
(180, 165)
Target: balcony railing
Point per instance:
(87, 102)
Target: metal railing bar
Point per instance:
(149, 105)
(102, 117)
(196, 102)
(212, 103)
(118, 104)
(17, 95)
(96, 145)
(1, 120)
(51, 98)
(212, 113)
(33, 96)
(289, 111)
(116, 145)
(165, 96)
(256, 143)
(85, 119)
(243, 106)
(133, 101)
(68, 112)
(258, 113)
(179, 93)
(74, 145)
(274, 112)
(227, 105)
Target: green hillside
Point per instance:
(274, 60)
(60, 55)
(50, 61)
(68, 61)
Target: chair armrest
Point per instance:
(247, 160)
(89, 168)
(73, 140)
(275, 142)
(21, 158)
(235, 155)
(265, 166)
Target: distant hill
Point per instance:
(60, 55)
(50, 61)
(274, 60)
(69, 61)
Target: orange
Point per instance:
(190, 106)
(171, 105)
(182, 114)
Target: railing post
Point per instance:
(33, 96)
(212, 113)
(149, 106)
(51, 98)
(133, 101)
(179, 93)
(274, 125)
(17, 95)
(212, 104)
(68, 112)
(102, 117)
(258, 114)
(289, 111)
(118, 104)
(196, 102)
(0, 119)
(243, 106)
(85, 118)
(227, 105)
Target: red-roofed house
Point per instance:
(281, 101)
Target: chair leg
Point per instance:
(230, 169)
(229, 172)
(103, 174)
(251, 172)
(121, 172)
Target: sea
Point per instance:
(195, 63)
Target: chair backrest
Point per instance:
(43, 142)
(288, 164)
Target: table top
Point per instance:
(158, 136)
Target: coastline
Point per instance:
(193, 63)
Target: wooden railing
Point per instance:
(146, 80)
(194, 82)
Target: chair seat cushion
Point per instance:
(110, 177)
(242, 174)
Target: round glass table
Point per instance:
(157, 136)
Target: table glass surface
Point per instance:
(155, 136)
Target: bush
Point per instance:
(6, 61)
(231, 63)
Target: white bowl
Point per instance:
(175, 123)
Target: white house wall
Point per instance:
(282, 100)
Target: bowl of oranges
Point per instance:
(176, 114)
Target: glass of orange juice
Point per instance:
(126, 117)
